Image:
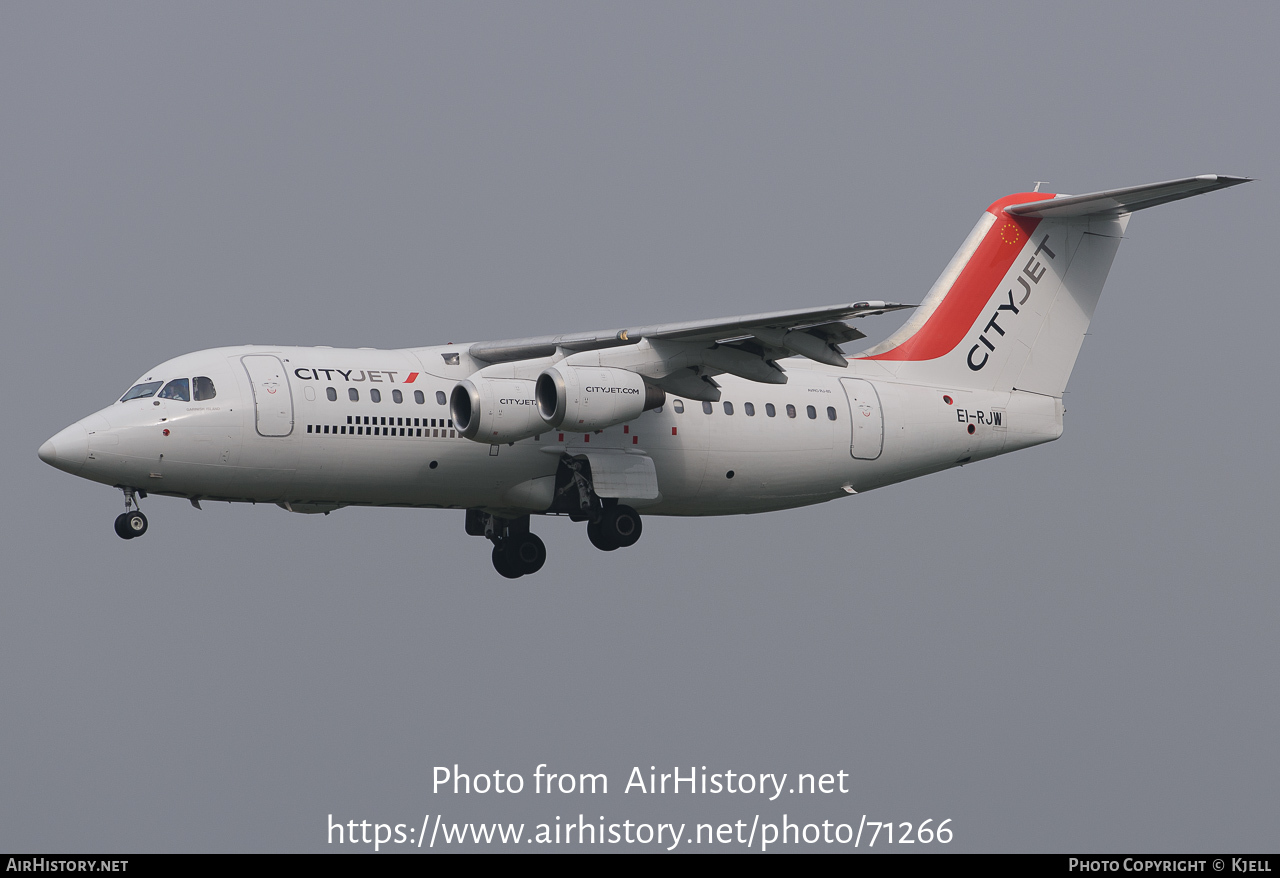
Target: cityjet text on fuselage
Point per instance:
(308, 374)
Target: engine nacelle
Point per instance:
(495, 410)
(584, 398)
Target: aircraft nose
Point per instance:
(67, 450)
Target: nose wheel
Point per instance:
(131, 523)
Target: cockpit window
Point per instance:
(139, 391)
(179, 389)
(204, 389)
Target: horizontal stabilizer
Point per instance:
(1114, 202)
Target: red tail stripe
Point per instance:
(963, 303)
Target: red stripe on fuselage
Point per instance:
(413, 376)
(968, 296)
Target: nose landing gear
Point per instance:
(131, 523)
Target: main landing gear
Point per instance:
(516, 551)
(616, 527)
(131, 523)
(513, 557)
(610, 524)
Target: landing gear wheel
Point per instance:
(599, 538)
(502, 563)
(130, 525)
(621, 525)
(525, 553)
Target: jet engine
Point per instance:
(584, 398)
(495, 410)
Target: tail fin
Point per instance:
(1011, 309)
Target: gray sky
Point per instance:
(1067, 649)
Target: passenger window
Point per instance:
(769, 409)
(749, 409)
(440, 396)
(332, 394)
(657, 409)
(811, 412)
(791, 411)
(141, 391)
(353, 394)
(397, 396)
(179, 389)
(728, 408)
(678, 405)
(203, 389)
(831, 413)
(706, 407)
(418, 397)
(375, 394)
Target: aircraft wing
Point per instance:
(804, 331)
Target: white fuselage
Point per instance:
(340, 447)
(609, 426)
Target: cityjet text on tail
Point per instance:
(709, 417)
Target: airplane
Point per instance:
(744, 414)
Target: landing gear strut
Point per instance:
(516, 551)
(131, 523)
